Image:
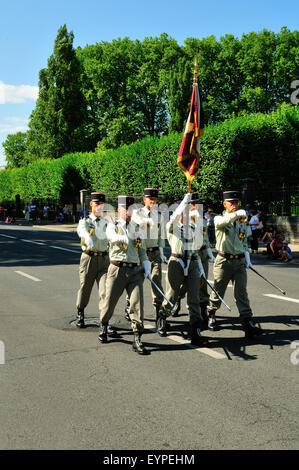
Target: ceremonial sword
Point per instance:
(218, 295)
(265, 279)
(162, 293)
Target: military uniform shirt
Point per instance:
(155, 236)
(177, 238)
(134, 254)
(98, 237)
(231, 237)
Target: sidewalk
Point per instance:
(73, 228)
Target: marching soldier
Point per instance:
(127, 252)
(231, 262)
(151, 224)
(94, 259)
(205, 254)
(184, 269)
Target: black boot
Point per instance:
(127, 309)
(212, 325)
(103, 333)
(197, 339)
(161, 322)
(111, 331)
(251, 330)
(177, 308)
(137, 344)
(204, 314)
(80, 318)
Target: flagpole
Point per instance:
(195, 73)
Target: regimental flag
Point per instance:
(189, 154)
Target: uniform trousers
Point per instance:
(156, 273)
(120, 278)
(175, 279)
(92, 269)
(203, 291)
(234, 270)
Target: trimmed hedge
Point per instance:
(263, 147)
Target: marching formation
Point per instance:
(119, 255)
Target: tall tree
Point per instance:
(57, 125)
(15, 149)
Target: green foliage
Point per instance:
(15, 149)
(264, 147)
(57, 123)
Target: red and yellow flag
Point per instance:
(189, 154)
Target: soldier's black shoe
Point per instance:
(161, 323)
(80, 319)
(197, 339)
(103, 333)
(137, 344)
(212, 325)
(251, 330)
(177, 308)
(111, 331)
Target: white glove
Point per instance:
(241, 213)
(88, 243)
(147, 269)
(162, 256)
(182, 206)
(210, 255)
(200, 267)
(247, 260)
(119, 239)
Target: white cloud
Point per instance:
(17, 93)
(11, 125)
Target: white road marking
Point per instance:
(281, 297)
(7, 236)
(30, 241)
(28, 276)
(64, 249)
(178, 339)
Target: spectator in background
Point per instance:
(254, 222)
(46, 211)
(2, 213)
(285, 252)
(275, 246)
(269, 234)
(211, 226)
(66, 212)
(247, 209)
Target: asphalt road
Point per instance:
(62, 389)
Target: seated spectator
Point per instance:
(10, 220)
(285, 252)
(269, 234)
(2, 213)
(274, 247)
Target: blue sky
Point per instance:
(28, 29)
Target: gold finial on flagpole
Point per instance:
(195, 67)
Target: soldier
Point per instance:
(151, 223)
(184, 269)
(205, 254)
(231, 262)
(127, 251)
(94, 259)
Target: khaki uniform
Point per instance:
(127, 274)
(154, 239)
(231, 240)
(94, 262)
(178, 275)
